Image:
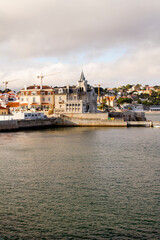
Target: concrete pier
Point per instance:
(66, 121)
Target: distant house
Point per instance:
(3, 111)
(75, 99)
(155, 108)
(13, 106)
(110, 101)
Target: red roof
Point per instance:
(24, 104)
(13, 104)
(3, 108)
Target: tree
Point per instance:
(124, 100)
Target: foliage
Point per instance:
(124, 100)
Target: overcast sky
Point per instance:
(115, 42)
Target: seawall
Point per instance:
(91, 121)
(66, 121)
(16, 125)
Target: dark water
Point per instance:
(80, 183)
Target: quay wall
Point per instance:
(8, 125)
(89, 122)
(86, 115)
(15, 125)
(140, 124)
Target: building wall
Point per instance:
(3, 111)
(33, 98)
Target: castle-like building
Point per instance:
(75, 99)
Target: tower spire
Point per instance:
(82, 78)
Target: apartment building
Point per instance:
(37, 98)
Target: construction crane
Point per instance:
(98, 85)
(44, 75)
(6, 83)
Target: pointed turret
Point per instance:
(82, 78)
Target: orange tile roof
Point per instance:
(3, 108)
(13, 104)
(24, 104)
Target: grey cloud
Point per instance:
(58, 27)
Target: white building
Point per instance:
(76, 99)
(23, 115)
(37, 98)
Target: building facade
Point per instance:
(75, 99)
(37, 98)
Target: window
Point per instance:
(22, 93)
(49, 93)
(71, 98)
(49, 99)
(42, 93)
(60, 98)
(34, 99)
(73, 104)
(60, 90)
(33, 93)
(74, 97)
(43, 99)
(22, 99)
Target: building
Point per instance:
(13, 106)
(3, 111)
(36, 98)
(76, 99)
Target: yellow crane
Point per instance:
(6, 83)
(45, 75)
(98, 85)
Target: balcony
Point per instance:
(61, 101)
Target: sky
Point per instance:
(115, 42)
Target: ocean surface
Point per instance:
(80, 183)
(153, 116)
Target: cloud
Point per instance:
(58, 27)
(66, 36)
(140, 66)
